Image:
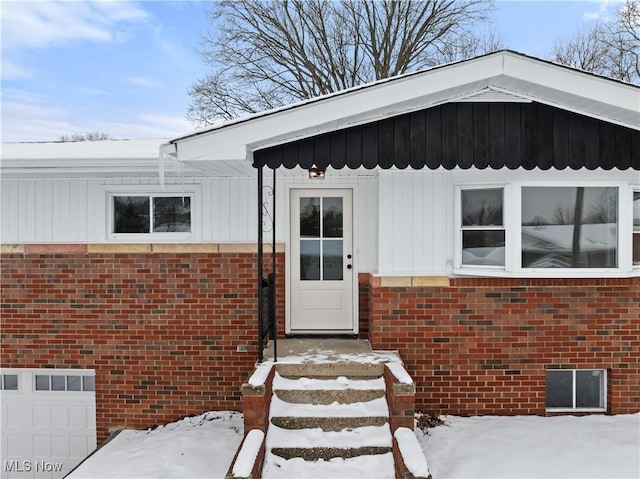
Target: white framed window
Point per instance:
(576, 390)
(569, 227)
(64, 382)
(139, 215)
(635, 240)
(9, 382)
(547, 229)
(482, 227)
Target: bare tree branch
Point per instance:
(269, 53)
(609, 49)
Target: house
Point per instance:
(481, 218)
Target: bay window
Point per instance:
(540, 229)
(569, 227)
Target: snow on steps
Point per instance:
(332, 427)
(322, 424)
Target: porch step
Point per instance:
(332, 425)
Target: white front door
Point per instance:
(321, 263)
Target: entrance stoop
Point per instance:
(330, 408)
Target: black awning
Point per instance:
(467, 135)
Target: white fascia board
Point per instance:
(110, 158)
(575, 90)
(516, 74)
(82, 151)
(409, 93)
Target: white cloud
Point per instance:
(605, 10)
(11, 71)
(32, 24)
(143, 81)
(28, 117)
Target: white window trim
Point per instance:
(192, 191)
(635, 188)
(459, 229)
(581, 409)
(513, 238)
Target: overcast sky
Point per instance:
(124, 67)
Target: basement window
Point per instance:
(576, 390)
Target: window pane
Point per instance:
(131, 214)
(74, 383)
(10, 382)
(309, 217)
(42, 383)
(569, 227)
(636, 227)
(482, 207)
(332, 217)
(88, 383)
(590, 389)
(172, 214)
(332, 259)
(560, 389)
(483, 248)
(57, 383)
(310, 260)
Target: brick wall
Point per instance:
(481, 346)
(160, 329)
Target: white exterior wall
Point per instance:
(404, 219)
(76, 210)
(415, 207)
(422, 203)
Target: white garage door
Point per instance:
(48, 419)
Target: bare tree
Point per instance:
(89, 136)
(608, 48)
(625, 40)
(265, 54)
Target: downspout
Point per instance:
(166, 150)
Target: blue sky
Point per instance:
(124, 67)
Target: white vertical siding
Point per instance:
(404, 219)
(365, 212)
(414, 207)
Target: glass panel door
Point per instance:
(321, 238)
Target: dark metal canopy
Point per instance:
(467, 135)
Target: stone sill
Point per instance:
(128, 248)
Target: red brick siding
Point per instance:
(161, 330)
(364, 305)
(481, 346)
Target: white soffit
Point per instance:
(492, 95)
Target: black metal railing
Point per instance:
(267, 321)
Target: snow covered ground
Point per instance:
(488, 447)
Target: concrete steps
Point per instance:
(328, 409)
(330, 421)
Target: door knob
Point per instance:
(348, 256)
(348, 266)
